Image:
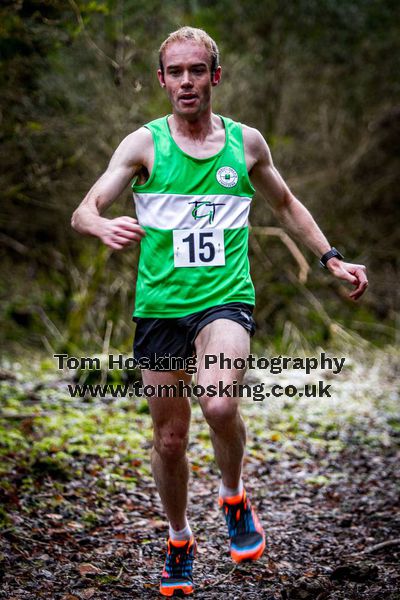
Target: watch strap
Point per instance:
(332, 253)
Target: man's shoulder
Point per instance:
(143, 132)
(160, 123)
(254, 142)
(138, 137)
(136, 147)
(251, 134)
(245, 127)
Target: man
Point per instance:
(194, 173)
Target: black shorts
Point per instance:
(157, 340)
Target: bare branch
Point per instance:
(91, 42)
(218, 581)
(387, 544)
(290, 245)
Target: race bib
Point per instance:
(199, 247)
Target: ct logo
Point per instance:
(227, 177)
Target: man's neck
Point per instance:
(197, 129)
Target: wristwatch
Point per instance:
(332, 253)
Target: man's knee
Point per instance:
(219, 412)
(171, 442)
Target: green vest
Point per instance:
(195, 215)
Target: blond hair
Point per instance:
(194, 35)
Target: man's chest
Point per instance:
(201, 148)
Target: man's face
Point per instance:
(187, 78)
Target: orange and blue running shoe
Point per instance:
(176, 577)
(247, 537)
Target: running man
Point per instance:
(194, 174)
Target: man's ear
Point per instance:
(216, 78)
(160, 76)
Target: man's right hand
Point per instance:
(120, 232)
(133, 153)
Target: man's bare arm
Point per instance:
(126, 161)
(293, 215)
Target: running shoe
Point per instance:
(247, 537)
(176, 577)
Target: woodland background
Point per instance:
(80, 517)
(320, 79)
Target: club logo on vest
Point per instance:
(227, 177)
(201, 209)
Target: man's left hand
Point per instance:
(354, 274)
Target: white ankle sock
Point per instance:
(182, 534)
(227, 492)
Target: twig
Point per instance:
(55, 332)
(23, 553)
(47, 345)
(314, 302)
(127, 570)
(290, 245)
(120, 573)
(106, 349)
(26, 537)
(218, 581)
(255, 245)
(91, 42)
(375, 547)
(14, 244)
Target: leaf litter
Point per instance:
(81, 518)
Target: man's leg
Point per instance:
(227, 429)
(228, 433)
(171, 421)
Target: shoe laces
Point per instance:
(239, 517)
(179, 561)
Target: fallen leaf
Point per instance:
(310, 574)
(88, 569)
(88, 593)
(75, 525)
(157, 524)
